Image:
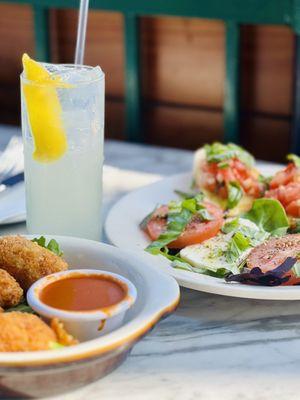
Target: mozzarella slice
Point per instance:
(211, 254)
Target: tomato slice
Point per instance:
(196, 231)
(155, 227)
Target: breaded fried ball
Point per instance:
(26, 261)
(24, 332)
(10, 291)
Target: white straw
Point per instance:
(81, 31)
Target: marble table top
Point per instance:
(212, 347)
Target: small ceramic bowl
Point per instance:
(84, 325)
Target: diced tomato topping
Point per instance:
(282, 178)
(285, 187)
(216, 179)
(293, 209)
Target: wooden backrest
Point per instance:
(233, 12)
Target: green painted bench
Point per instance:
(233, 12)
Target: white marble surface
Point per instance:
(213, 347)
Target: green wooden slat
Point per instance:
(242, 11)
(41, 33)
(132, 78)
(296, 16)
(231, 100)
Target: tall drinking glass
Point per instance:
(63, 128)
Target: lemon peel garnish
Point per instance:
(44, 111)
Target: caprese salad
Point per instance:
(235, 223)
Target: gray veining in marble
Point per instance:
(213, 347)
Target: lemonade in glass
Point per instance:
(63, 129)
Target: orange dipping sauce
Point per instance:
(83, 293)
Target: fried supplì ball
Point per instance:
(24, 332)
(26, 261)
(20, 331)
(10, 291)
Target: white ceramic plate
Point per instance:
(122, 229)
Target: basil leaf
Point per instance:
(223, 165)
(203, 213)
(52, 246)
(186, 195)
(41, 241)
(265, 180)
(253, 233)
(296, 269)
(295, 159)
(189, 204)
(237, 245)
(219, 273)
(269, 216)
(235, 193)
(295, 226)
(257, 238)
(218, 153)
(180, 264)
(192, 204)
(165, 252)
(22, 307)
(231, 226)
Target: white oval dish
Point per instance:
(84, 325)
(133, 208)
(41, 373)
